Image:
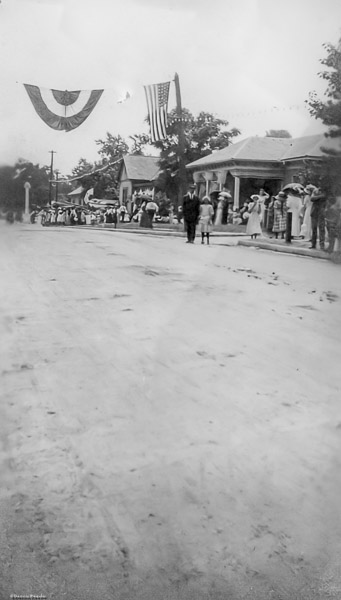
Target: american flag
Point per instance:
(157, 101)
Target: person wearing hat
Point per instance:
(263, 198)
(190, 211)
(205, 220)
(280, 215)
(307, 204)
(145, 220)
(317, 214)
(220, 208)
(253, 227)
(294, 206)
(151, 210)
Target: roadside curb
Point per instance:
(154, 231)
(287, 249)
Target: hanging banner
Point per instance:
(63, 110)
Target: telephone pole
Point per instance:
(57, 173)
(52, 152)
(181, 142)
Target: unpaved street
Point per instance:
(170, 419)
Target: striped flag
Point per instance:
(157, 101)
(62, 110)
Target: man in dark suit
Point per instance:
(317, 215)
(190, 210)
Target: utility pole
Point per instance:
(57, 173)
(52, 152)
(181, 142)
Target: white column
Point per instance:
(236, 192)
(27, 187)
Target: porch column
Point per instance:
(221, 178)
(196, 179)
(208, 175)
(236, 192)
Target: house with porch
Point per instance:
(256, 162)
(136, 175)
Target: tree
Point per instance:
(12, 179)
(329, 112)
(203, 134)
(139, 142)
(111, 150)
(278, 133)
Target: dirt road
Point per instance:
(170, 419)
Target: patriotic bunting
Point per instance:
(63, 110)
(157, 101)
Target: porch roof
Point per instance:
(264, 150)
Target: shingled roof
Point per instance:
(141, 168)
(267, 149)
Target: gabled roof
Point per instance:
(77, 191)
(267, 149)
(142, 168)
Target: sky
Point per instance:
(251, 62)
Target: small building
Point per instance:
(136, 175)
(77, 195)
(256, 162)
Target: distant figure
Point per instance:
(190, 209)
(333, 223)
(294, 206)
(205, 219)
(61, 217)
(219, 213)
(109, 215)
(253, 227)
(135, 212)
(306, 230)
(123, 212)
(263, 197)
(244, 212)
(114, 216)
(144, 217)
(318, 199)
(280, 215)
(151, 209)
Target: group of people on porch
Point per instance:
(295, 212)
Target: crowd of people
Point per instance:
(79, 215)
(296, 212)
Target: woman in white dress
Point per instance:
(220, 208)
(205, 219)
(294, 206)
(307, 204)
(253, 226)
(263, 196)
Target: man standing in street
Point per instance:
(317, 216)
(190, 210)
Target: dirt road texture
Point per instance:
(170, 419)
